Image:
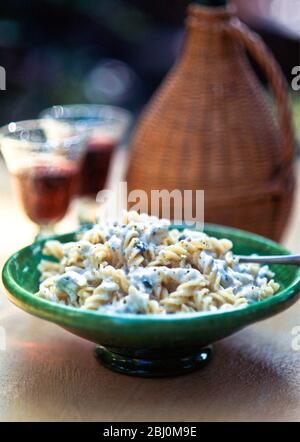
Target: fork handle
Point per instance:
(281, 259)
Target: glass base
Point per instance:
(87, 208)
(153, 367)
(45, 231)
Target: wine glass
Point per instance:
(105, 128)
(44, 159)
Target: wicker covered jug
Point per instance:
(210, 126)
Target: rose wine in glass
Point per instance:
(95, 165)
(45, 161)
(105, 127)
(45, 192)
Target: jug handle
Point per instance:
(257, 48)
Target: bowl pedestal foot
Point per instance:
(153, 367)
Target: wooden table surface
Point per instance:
(48, 374)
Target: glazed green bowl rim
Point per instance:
(64, 312)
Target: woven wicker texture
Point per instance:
(210, 126)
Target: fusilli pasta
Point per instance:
(142, 265)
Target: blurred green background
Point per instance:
(111, 51)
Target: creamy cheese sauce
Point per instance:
(144, 266)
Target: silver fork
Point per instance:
(280, 259)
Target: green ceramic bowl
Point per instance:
(152, 345)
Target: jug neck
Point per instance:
(205, 31)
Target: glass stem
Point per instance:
(45, 230)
